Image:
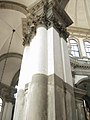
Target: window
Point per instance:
(87, 48)
(74, 48)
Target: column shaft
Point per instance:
(7, 113)
(43, 63)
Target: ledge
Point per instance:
(80, 63)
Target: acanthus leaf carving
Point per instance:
(7, 93)
(47, 14)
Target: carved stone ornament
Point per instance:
(7, 93)
(45, 14)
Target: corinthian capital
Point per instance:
(46, 13)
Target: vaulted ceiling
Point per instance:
(79, 11)
(11, 48)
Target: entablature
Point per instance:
(80, 66)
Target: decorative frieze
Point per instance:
(45, 14)
(79, 32)
(80, 63)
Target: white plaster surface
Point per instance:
(19, 111)
(34, 58)
(54, 53)
(47, 54)
(50, 52)
(66, 63)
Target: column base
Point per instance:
(48, 98)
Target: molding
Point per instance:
(13, 6)
(82, 64)
(80, 67)
(7, 92)
(79, 93)
(11, 54)
(81, 72)
(78, 44)
(83, 80)
(79, 32)
(45, 14)
(56, 81)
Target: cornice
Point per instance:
(79, 32)
(45, 14)
(82, 64)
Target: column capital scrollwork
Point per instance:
(28, 36)
(45, 14)
(7, 93)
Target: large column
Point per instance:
(56, 90)
(45, 66)
(34, 71)
(69, 95)
(7, 113)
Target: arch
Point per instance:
(15, 55)
(15, 78)
(86, 79)
(87, 47)
(13, 6)
(73, 37)
(8, 55)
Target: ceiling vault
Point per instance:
(14, 6)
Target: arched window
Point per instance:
(87, 48)
(74, 48)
